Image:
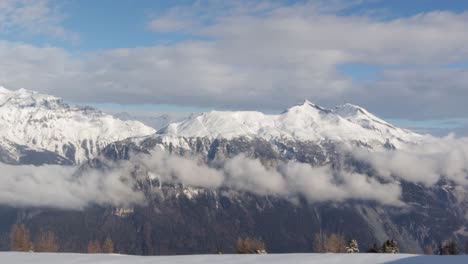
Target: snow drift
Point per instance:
(56, 258)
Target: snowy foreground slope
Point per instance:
(51, 258)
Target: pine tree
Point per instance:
(390, 246)
(19, 239)
(352, 247)
(453, 248)
(374, 249)
(108, 246)
(448, 248)
(94, 247)
(46, 242)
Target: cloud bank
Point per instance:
(427, 163)
(59, 187)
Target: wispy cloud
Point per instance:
(59, 187)
(267, 56)
(34, 17)
(426, 163)
(116, 185)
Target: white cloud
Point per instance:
(324, 184)
(59, 187)
(270, 58)
(426, 163)
(175, 169)
(34, 17)
(250, 175)
(287, 180)
(63, 187)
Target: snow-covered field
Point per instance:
(59, 258)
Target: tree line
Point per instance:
(46, 241)
(336, 243)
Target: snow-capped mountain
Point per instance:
(171, 221)
(156, 120)
(42, 122)
(304, 122)
(305, 133)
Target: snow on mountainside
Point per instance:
(43, 122)
(305, 122)
(156, 120)
(361, 116)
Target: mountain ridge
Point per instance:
(305, 134)
(44, 122)
(303, 122)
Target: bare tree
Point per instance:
(46, 242)
(108, 246)
(19, 239)
(94, 247)
(428, 250)
(250, 246)
(334, 243)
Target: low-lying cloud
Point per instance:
(426, 163)
(64, 187)
(59, 187)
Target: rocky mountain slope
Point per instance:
(304, 133)
(179, 218)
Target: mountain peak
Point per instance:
(306, 107)
(42, 121)
(303, 122)
(24, 98)
(308, 103)
(4, 90)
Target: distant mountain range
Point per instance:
(179, 218)
(55, 132)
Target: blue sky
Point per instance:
(108, 24)
(404, 60)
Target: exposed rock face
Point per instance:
(182, 219)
